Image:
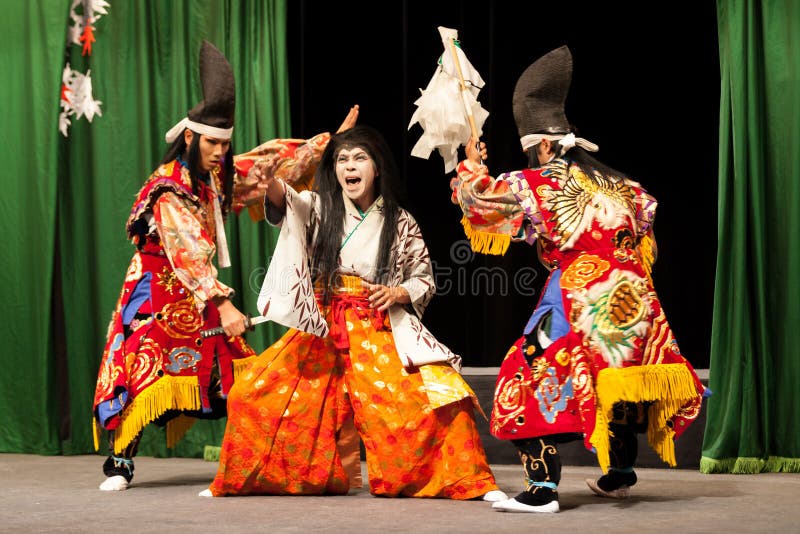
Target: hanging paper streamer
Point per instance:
(77, 99)
(448, 110)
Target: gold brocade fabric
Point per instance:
(443, 384)
(286, 412)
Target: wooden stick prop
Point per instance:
(463, 88)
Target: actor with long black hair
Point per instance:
(350, 276)
(156, 367)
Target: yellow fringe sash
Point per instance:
(667, 386)
(177, 428)
(169, 393)
(96, 434)
(485, 242)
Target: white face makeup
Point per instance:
(356, 171)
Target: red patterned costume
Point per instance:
(597, 360)
(155, 361)
(610, 339)
(156, 366)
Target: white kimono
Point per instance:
(287, 294)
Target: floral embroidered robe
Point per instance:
(155, 360)
(598, 334)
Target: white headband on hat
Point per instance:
(204, 129)
(566, 141)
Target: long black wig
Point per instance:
(328, 241)
(591, 167)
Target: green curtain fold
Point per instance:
(31, 59)
(753, 424)
(70, 197)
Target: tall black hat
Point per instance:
(219, 98)
(214, 114)
(541, 92)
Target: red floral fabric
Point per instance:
(598, 335)
(164, 364)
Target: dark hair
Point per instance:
(588, 164)
(178, 149)
(327, 244)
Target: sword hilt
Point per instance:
(219, 330)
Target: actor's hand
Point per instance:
(350, 120)
(475, 151)
(268, 185)
(263, 173)
(230, 318)
(382, 297)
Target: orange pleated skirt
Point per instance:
(286, 411)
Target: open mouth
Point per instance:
(353, 181)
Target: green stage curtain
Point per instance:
(67, 199)
(31, 59)
(753, 421)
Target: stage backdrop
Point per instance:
(645, 89)
(66, 200)
(753, 421)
